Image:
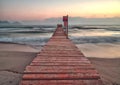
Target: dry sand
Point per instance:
(15, 57)
(13, 60)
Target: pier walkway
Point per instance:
(60, 62)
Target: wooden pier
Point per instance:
(60, 62)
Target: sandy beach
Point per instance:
(106, 59)
(13, 60)
(109, 69)
(15, 57)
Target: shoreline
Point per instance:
(100, 50)
(15, 57)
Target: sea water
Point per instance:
(40, 35)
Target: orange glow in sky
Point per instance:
(41, 9)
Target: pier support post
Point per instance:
(65, 20)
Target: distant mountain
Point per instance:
(81, 20)
(76, 21)
(4, 22)
(9, 22)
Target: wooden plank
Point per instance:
(84, 76)
(63, 58)
(58, 63)
(48, 59)
(56, 71)
(77, 62)
(60, 55)
(64, 52)
(61, 82)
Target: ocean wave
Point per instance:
(26, 30)
(77, 40)
(26, 40)
(96, 39)
(36, 35)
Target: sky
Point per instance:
(42, 9)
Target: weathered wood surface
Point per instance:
(60, 62)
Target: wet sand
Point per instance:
(106, 59)
(15, 57)
(101, 50)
